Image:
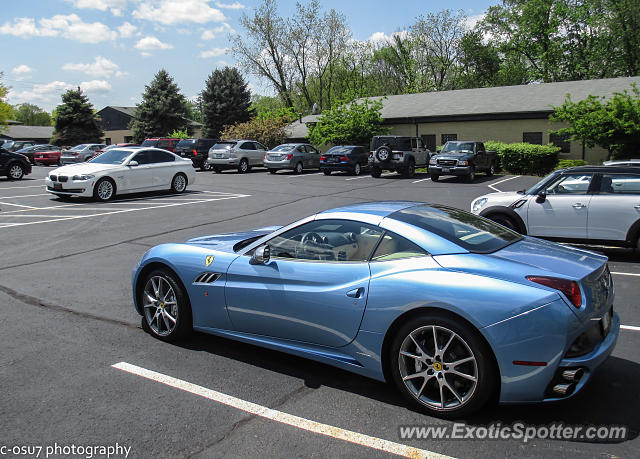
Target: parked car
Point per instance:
(348, 158)
(114, 145)
(122, 170)
(14, 166)
(292, 156)
(452, 308)
(397, 153)
(48, 157)
(197, 150)
(463, 158)
(30, 151)
(164, 143)
(622, 162)
(236, 154)
(15, 145)
(80, 153)
(590, 204)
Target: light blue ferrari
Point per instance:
(455, 309)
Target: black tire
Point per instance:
(299, 169)
(434, 177)
(15, 171)
(205, 166)
(273, 171)
(243, 167)
(505, 220)
(327, 172)
(471, 176)
(101, 189)
(410, 170)
(376, 172)
(217, 170)
(467, 342)
(181, 311)
(59, 162)
(179, 183)
(491, 170)
(383, 154)
(357, 169)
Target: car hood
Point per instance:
(84, 168)
(225, 242)
(502, 198)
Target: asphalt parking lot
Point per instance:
(68, 319)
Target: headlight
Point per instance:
(433, 160)
(82, 177)
(478, 203)
(463, 163)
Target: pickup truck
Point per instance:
(462, 158)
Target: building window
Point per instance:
(429, 141)
(449, 137)
(532, 137)
(128, 138)
(562, 141)
(107, 140)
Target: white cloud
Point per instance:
(381, 38)
(95, 86)
(150, 43)
(210, 34)
(127, 30)
(101, 66)
(19, 70)
(67, 26)
(171, 12)
(230, 6)
(115, 6)
(207, 35)
(48, 92)
(471, 21)
(213, 52)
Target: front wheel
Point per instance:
(472, 175)
(243, 168)
(326, 172)
(442, 366)
(376, 172)
(16, 172)
(504, 220)
(434, 177)
(179, 183)
(104, 190)
(410, 170)
(166, 309)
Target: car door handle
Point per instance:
(356, 292)
(637, 207)
(578, 205)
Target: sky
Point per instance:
(113, 48)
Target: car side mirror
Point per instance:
(542, 196)
(261, 255)
(133, 163)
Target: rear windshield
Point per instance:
(396, 143)
(469, 231)
(186, 143)
(285, 147)
(79, 147)
(224, 146)
(149, 143)
(339, 151)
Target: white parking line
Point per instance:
(630, 327)
(20, 187)
(501, 181)
(626, 274)
(358, 178)
(17, 205)
(421, 180)
(305, 175)
(25, 196)
(279, 416)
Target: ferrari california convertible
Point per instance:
(454, 309)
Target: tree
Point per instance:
(269, 131)
(349, 123)
(5, 109)
(31, 115)
(163, 109)
(613, 124)
(177, 134)
(76, 121)
(225, 101)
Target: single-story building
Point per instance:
(115, 123)
(17, 131)
(505, 114)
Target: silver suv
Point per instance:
(236, 154)
(397, 153)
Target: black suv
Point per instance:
(13, 165)
(197, 150)
(397, 153)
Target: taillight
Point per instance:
(75, 154)
(570, 288)
(289, 156)
(195, 152)
(344, 158)
(370, 154)
(265, 157)
(323, 158)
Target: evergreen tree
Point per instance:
(76, 122)
(162, 110)
(225, 101)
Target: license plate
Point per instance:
(217, 156)
(445, 169)
(606, 323)
(333, 160)
(57, 186)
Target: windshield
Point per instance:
(113, 156)
(149, 143)
(285, 147)
(339, 151)
(451, 147)
(78, 147)
(186, 143)
(8, 144)
(223, 146)
(469, 231)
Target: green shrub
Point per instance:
(564, 163)
(525, 158)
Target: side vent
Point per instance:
(206, 278)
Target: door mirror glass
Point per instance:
(542, 195)
(133, 163)
(261, 255)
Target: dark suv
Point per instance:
(397, 153)
(164, 143)
(197, 150)
(13, 165)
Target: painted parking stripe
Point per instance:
(492, 186)
(625, 274)
(358, 178)
(305, 175)
(421, 180)
(629, 327)
(20, 187)
(279, 416)
(25, 196)
(17, 205)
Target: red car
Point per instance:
(164, 142)
(48, 157)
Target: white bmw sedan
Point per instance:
(122, 170)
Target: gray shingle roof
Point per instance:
(19, 132)
(126, 110)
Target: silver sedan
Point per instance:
(292, 156)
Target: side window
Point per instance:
(570, 184)
(404, 144)
(259, 146)
(161, 157)
(394, 247)
(163, 143)
(480, 147)
(143, 157)
(620, 184)
(429, 141)
(247, 146)
(327, 240)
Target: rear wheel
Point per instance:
(434, 177)
(217, 170)
(442, 366)
(376, 172)
(410, 170)
(357, 169)
(327, 172)
(299, 168)
(104, 190)
(205, 166)
(491, 170)
(179, 183)
(504, 220)
(273, 171)
(16, 172)
(244, 166)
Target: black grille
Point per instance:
(447, 162)
(63, 178)
(54, 178)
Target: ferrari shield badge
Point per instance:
(208, 260)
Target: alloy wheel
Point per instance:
(16, 172)
(160, 306)
(105, 190)
(179, 183)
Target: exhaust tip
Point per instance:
(573, 375)
(564, 390)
